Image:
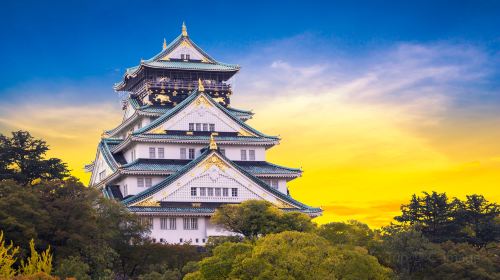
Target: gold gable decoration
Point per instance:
(242, 132)
(202, 100)
(214, 161)
(148, 203)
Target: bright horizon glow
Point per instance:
(374, 107)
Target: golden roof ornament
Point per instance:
(164, 43)
(201, 88)
(213, 145)
(184, 30)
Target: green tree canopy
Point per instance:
(352, 233)
(254, 218)
(22, 158)
(289, 255)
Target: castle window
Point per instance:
(152, 152)
(212, 127)
(190, 223)
(243, 154)
(251, 154)
(102, 175)
(132, 155)
(196, 240)
(188, 56)
(168, 223)
(183, 153)
(191, 126)
(125, 190)
(203, 191)
(198, 126)
(182, 56)
(147, 221)
(205, 127)
(191, 153)
(180, 240)
(148, 182)
(217, 191)
(234, 192)
(225, 192)
(173, 223)
(193, 191)
(161, 152)
(210, 191)
(140, 182)
(274, 184)
(203, 240)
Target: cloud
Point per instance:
(369, 126)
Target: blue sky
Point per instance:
(391, 98)
(81, 39)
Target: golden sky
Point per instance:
(366, 139)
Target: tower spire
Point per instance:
(184, 29)
(164, 43)
(213, 145)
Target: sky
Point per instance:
(374, 100)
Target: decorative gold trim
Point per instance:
(189, 133)
(242, 132)
(149, 202)
(184, 29)
(213, 145)
(202, 100)
(164, 43)
(201, 88)
(214, 161)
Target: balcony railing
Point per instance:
(190, 85)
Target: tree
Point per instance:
(435, 214)
(37, 262)
(408, 252)
(254, 218)
(22, 158)
(479, 220)
(73, 267)
(288, 255)
(7, 258)
(352, 233)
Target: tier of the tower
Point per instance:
(167, 78)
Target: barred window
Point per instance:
(148, 182)
(125, 190)
(173, 223)
(191, 153)
(225, 192)
(251, 154)
(183, 153)
(210, 191)
(217, 191)
(274, 184)
(163, 223)
(205, 127)
(191, 126)
(198, 126)
(234, 192)
(243, 154)
(193, 191)
(140, 182)
(152, 152)
(161, 152)
(194, 223)
(203, 191)
(212, 127)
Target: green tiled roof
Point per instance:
(168, 165)
(189, 65)
(195, 210)
(205, 139)
(192, 164)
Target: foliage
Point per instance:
(37, 262)
(73, 267)
(352, 233)
(7, 258)
(254, 218)
(289, 255)
(440, 219)
(36, 276)
(22, 159)
(165, 275)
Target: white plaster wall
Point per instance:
(174, 236)
(99, 166)
(131, 182)
(172, 151)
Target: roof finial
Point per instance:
(201, 88)
(164, 43)
(213, 145)
(184, 29)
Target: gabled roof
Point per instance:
(194, 94)
(157, 61)
(170, 179)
